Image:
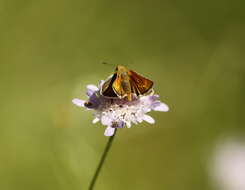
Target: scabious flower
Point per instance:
(118, 113)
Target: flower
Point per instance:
(117, 113)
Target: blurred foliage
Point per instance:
(50, 51)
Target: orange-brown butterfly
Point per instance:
(125, 83)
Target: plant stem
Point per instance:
(102, 160)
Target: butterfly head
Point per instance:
(122, 71)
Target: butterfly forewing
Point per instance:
(139, 84)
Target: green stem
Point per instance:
(102, 160)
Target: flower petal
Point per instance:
(91, 89)
(162, 107)
(140, 120)
(120, 124)
(128, 124)
(95, 120)
(146, 109)
(149, 99)
(109, 131)
(105, 120)
(149, 119)
(94, 100)
(78, 102)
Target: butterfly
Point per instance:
(125, 83)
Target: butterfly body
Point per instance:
(125, 83)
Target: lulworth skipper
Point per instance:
(125, 83)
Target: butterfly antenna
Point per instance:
(108, 64)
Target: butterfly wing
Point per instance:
(139, 84)
(120, 86)
(134, 88)
(107, 89)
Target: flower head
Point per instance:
(120, 112)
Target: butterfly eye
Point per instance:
(116, 69)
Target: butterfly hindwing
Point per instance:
(107, 89)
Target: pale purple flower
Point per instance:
(117, 113)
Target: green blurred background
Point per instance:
(50, 50)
